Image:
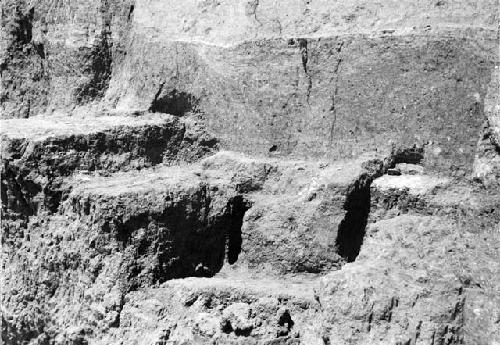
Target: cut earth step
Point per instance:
(39, 152)
(134, 229)
(469, 204)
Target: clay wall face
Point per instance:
(314, 79)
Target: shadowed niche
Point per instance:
(175, 102)
(413, 155)
(182, 241)
(238, 207)
(352, 228)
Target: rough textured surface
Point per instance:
(418, 280)
(334, 100)
(298, 77)
(469, 205)
(59, 54)
(304, 216)
(492, 105)
(224, 310)
(487, 160)
(131, 230)
(38, 153)
(253, 172)
(108, 243)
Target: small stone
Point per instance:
(236, 318)
(394, 172)
(206, 324)
(410, 169)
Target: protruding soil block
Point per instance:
(470, 205)
(117, 234)
(168, 222)
(304, 216)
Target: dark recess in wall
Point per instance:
(130, 12)
(413, 155)
(238, 207)
(175, 102)
(351, 230)
(182, 241)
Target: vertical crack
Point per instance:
(280, 27)
(157, 95)
(305, 58)
(100, 61)
(333, 107)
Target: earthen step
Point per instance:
(427, 194)
(38, 152)
(282, 217)
(131, 230)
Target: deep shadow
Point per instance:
(175, 102)
(237, 207)
(285, 320)
(130, 12)
(23, 28)
(228, 329)
(351, 230)
(183, 241)
(413, 155)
